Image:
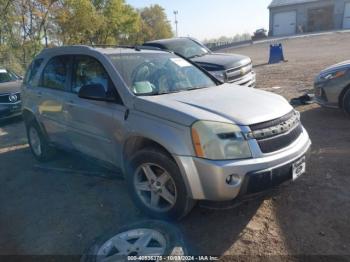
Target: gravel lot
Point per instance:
(45, 209)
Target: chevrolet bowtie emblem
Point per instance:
(283, 127)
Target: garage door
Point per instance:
(346, 23)
(284, 23)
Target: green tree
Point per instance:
(27, 26)
(119, 22)
(154, 24)
(77, 22)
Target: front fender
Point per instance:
(175, 138)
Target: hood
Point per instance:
(336, 67)
(225, 103)
(10, 87)
(217, 61)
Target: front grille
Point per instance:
(5, 99)
(234, 74)
(278, 133)
(273, 144)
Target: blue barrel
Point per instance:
(276, 54)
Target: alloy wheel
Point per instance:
(135, 242)
(155, 187)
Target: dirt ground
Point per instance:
(46, 209)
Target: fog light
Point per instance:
(233, 180)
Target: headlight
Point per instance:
(333, 75)
(219, 141)
(221, 75)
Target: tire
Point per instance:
(346, 103)
(171, 196)
(170, 235)
(38, 142)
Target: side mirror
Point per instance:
(94, 92)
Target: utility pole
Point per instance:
(176, 22)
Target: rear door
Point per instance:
(284, 23)
(50, 95)
(346, 21)
(94, 128)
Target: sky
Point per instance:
(205, 19)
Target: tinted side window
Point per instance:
(32, 70)
(88, 71)
(55, 73)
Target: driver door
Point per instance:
(94, 128)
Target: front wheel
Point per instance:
(156, 185)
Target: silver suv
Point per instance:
(178, 134)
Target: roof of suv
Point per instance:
(108, 50)
(174, 39)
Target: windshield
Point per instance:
(186, 47)
(158, 73)
(6, 76)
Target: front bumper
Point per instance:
(10, 110)
(324, 103)
(248, 80)
(327, 93)
(207, 180)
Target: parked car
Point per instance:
(178, 133)
(259, 34)
(10, 97)
(230, 68)
(332, 87)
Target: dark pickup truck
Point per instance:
(230, 68)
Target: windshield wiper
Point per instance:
(190, 57)
(175, 91)
(195, 88)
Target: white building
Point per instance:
(289, 17)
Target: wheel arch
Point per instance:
(342, 95)
(29, 116)
(137, 142)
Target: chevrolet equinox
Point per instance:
(178, 134)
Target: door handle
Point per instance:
(39, 94)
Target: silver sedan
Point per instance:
(332, 87)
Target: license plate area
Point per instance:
(15, 108)
(299, 168)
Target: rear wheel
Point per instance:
(38, 143)
(156, 185)
(346, 103)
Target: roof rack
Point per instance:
(136, 47)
